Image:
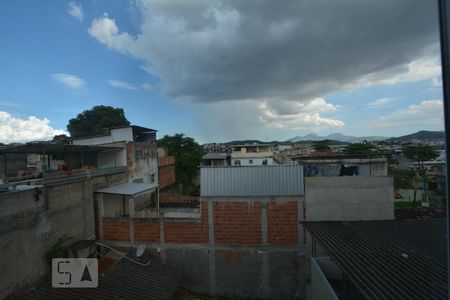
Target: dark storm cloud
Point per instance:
(208, 51)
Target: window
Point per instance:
(237, 162)
(264, 162)
(152, 178)
(250, 161)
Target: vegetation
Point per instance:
(57, 248)
(420, 153)
(422, 135)
(61, 139)
(188, 155)
(322, 146)
(406, 204)
(406, 179)
(361, 149)
(94, 121)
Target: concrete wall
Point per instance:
(375, 168)
(320, 287)
(349, 198)
(142, 168)
(29, 228)
(111, 159)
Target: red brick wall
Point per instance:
(282, 223)
(234, 223)
(147, 231)
(167, 176)
(116, 230)
(237, 222)
(166, 160)
(175, 198)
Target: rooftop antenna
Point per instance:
(140, 250)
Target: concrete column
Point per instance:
(265, 275)
(301, 207)
(101, 214)
(212, 272)
(162, 233)
(211, 222)
(264, 235)
(131, 220)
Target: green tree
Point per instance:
(322, 146)
(95, 120)
(188, 155)
(420, 153)
(361, 149)
(61, 139)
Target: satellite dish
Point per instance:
(140, 250)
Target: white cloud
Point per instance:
(298, 115)
(69, 80)
(11, 104)
(105, 31)
(16, 130)
(436, 81)
(427, 67)
(382, 102)
(148, 86)
(246, 119)
(75, 10)
(121, 84)
(425, 113)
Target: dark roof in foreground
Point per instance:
(125, 280)
(389, 259)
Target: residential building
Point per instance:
(138, 153)
(343, 165)
(216, 159)
(251, 155)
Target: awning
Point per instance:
(128, 189)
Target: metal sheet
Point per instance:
(279, 180)
(128, 189)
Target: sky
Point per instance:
(222, 70)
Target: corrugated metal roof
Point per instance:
(126, 280)
(388, 259)
(279, 180)
(128, 189)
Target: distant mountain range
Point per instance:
(339, 138)
(422, 136)
(336, 137)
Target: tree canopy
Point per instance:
(420, 153)
(322, 146)
(188, 155)
(61, 139)
(94, 121)
(361, 149)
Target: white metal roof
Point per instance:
(243, 181)
(128, 189)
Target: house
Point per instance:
(216, 159)
(343, 165)
(138, 151)
(251, 155)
